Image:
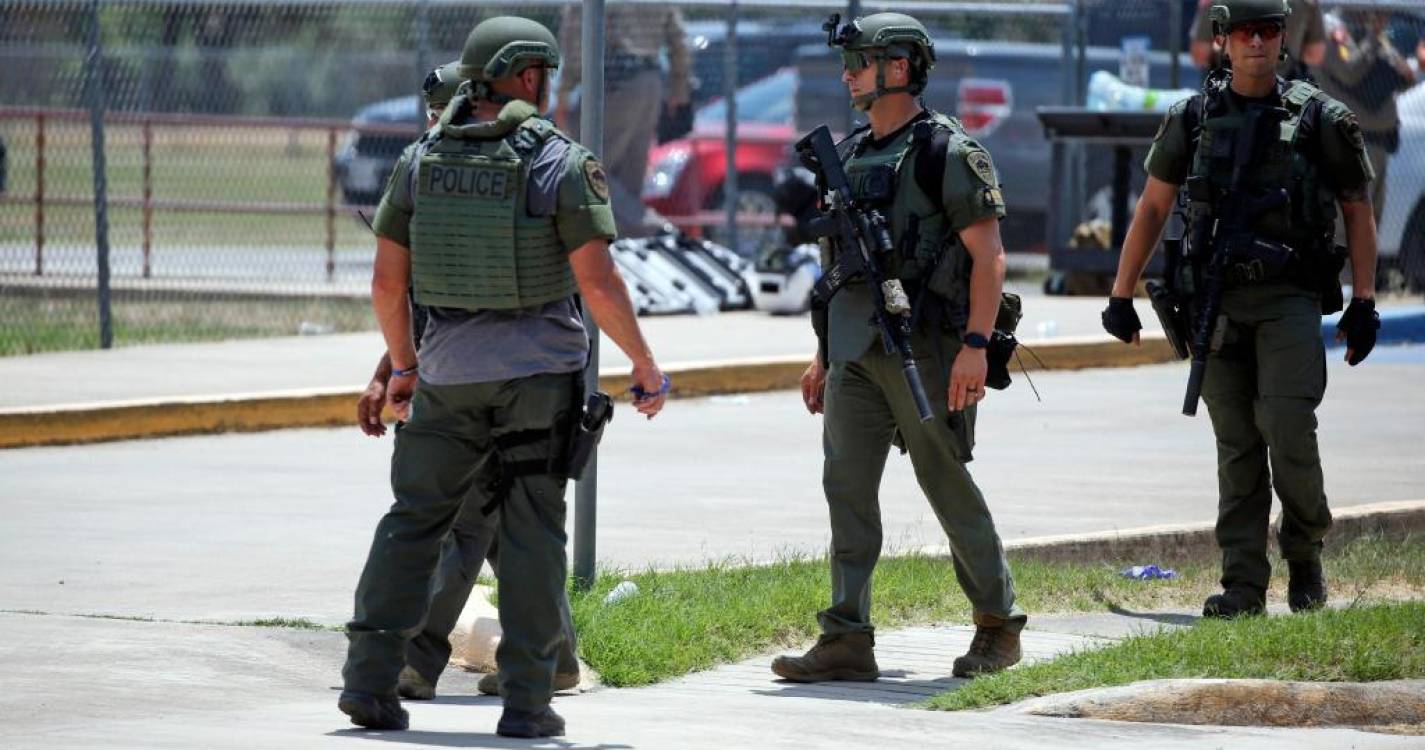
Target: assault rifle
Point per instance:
(864, 240)
(1227, 235)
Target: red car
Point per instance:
(685, 176)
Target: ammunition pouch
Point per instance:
(997, 354)
(1002, 341)
(1257, 262)
(1319, 272)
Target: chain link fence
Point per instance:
(244, 140)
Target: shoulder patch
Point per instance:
(1351, 128)
(982, 166)
(598, 181)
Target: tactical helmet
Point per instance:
(1228, 13)
(439, 87)
(878, 37)
(504, 46)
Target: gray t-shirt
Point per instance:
(461, 347)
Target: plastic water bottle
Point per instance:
(624, 590)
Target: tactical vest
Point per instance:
(474, 244)
(927, 255)
(1307, 221)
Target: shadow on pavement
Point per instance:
(890, 692)
(1167, 618)
(468, 739)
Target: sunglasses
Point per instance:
(855, 61)
(1268, 31)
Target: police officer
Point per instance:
(496, 220)
(1304, 39)
(1366, 72)
(1265, 380)
(944, 209)
(472, 537)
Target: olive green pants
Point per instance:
(1262, 389)
(439, 459)
(472, 540)
(867, 401)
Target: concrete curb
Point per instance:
(1241, 702)
(1398, 325)
(1162, 544)
(328, 407)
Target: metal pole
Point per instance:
(1057, 208)
(591, 131)
(1074, 196)
(95, 81)
(423, 63)
(729, 92)
(1175, 42)
(40, 194)
(331, 204)
(147, 198)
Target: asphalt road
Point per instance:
(248, 525)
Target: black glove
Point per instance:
(1120, 319)
(1360, 323)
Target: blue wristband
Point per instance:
(399, 373)
(639, 394)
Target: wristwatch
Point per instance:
(976, 340)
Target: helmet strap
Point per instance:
(539, 90)
(481, 91)
(864, 101)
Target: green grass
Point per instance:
(688, 620)
(1358, 644)
(225, 165)
(31, 324)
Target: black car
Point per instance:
(368, 153)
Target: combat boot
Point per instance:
(410, 684)
(490, 683)
(372, 711)
(838, 656)
(517, 723)
(1306, 585)
(995, 646)
(1235, 601)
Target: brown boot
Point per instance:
(995, 646)
(843, 656)
(410, 684)
(490, 683)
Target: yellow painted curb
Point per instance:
(149, 418)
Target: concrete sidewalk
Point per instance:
(167, 685)
(345, 361)
(264, 384)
